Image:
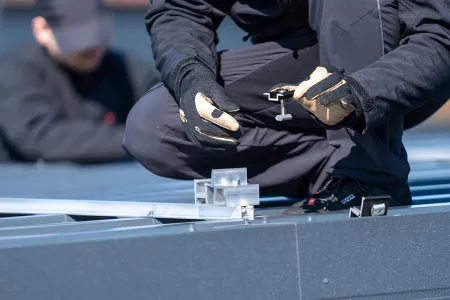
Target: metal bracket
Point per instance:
(281, 96)
(200, 190)
(371, 207)
(228, 188)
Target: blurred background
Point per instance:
(129, 32)
(65, 180)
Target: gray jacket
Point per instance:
(42, 116)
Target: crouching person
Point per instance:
(356, 68)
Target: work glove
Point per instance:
(328, 96)
(204, 111)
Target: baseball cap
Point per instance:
(77, 24)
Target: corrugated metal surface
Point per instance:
(429, 179)
(107, 182)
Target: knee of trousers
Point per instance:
(147, 123)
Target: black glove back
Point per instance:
(203, 111)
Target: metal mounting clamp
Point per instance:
(228, 188)
(373, 206)
(281, 96)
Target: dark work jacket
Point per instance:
(43, 117)
(397, 50)
(352, 35)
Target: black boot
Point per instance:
(338, 194)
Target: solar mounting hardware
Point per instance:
(225, 196)
(281, 96)
(373, 206)
(229, 188)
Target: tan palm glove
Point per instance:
(327, 95)
(206, 112)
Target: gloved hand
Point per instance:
(328, 96)
(203, 111)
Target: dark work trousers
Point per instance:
(292, 159)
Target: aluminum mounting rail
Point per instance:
(124, 209)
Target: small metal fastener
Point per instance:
(283, 116)
(371, 206)
(281, 96)
(378, 209)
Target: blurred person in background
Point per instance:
(356, 68)
(66, 96)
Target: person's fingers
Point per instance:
(319, 74)
(283, 86)
(211, 113)
(325, 86)
(216, 95)
(334, 113)
(226, 106)
(212, 139)
(335, 95)
(209, 135)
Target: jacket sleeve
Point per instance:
(182, 33)
(34, 125)
(415, 73)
